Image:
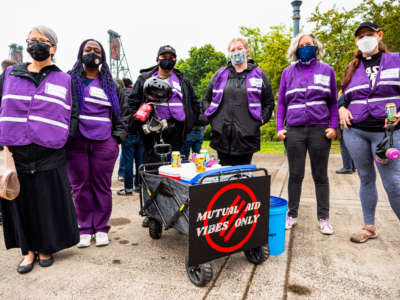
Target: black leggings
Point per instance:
(299, 140)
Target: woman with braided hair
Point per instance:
(92, 152)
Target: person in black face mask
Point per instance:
(181, 113)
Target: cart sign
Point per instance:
(227, 217)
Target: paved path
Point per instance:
(314, 266)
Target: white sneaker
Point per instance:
(102, 239)
(84, 240)
(326, 228)
(290, 222)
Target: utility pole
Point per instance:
(296, 16)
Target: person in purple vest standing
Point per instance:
(308, 105)
(182, 111)
(39, 112)
(371, 81)
(92, 152)
(238, 100)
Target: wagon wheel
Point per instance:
(155, 229)
(199, 275)
(257, 255)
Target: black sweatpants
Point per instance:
(299, 140)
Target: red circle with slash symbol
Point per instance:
(226, 188)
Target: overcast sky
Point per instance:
(146, 25)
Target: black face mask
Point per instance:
(39, 51)
(167, 64)
(91, 60)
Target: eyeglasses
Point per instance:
(39, 40)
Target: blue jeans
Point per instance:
(194, 140)
(132, 150)
(362, 147)
(346, 158)
(121, 169)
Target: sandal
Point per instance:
(362, 237)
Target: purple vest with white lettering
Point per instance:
(253, 85)
(364, 100)
(95, 116)
(39, 115)
(306, 99)
(174, 106)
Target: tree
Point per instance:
(269, 51)
(335, 29)
(200, 65)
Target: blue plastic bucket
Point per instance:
(277, 217)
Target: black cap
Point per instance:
(166, 49)
(371, 25)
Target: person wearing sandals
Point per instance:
(371, 81)
(39, 112)
(92, 152)
(307, 103)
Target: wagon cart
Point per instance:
(222, 211)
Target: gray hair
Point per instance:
(47, 32)
(294, 45)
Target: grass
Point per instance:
(275, 147)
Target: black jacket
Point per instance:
(190, 101)
(33, 158)
(234, 130)
(120, 127)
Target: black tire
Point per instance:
(199, 275)
(257, 255)
(155, 229)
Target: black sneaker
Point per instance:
(344, 171)
(123, 192)
(137, 189)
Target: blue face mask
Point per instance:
(306, 53)
(238, 57)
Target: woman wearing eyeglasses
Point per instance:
(39, 113)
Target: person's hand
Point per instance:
(387, 124)
(345, 117)
(330, 133)
(281, 135)
(262, 122)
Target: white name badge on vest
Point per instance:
(97, 92)
(56, 90)
(322, 79)
(390, 73)
(257, 82)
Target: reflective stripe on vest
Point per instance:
(253, 89)
(35, 115)
(94, 119)
(174, 107)
(365, 100)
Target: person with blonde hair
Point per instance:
(238, 101)
(307, 104)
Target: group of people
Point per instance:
(63, 130)
(308, 106)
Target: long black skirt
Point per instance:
(42, 218)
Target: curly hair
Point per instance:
(105, 77)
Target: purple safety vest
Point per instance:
(39, 115)
(253, 85)
(95, 116)
(174, 106)
(306, 99)
(366, 100)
